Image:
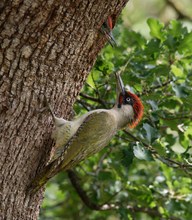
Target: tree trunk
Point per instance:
(47, 48)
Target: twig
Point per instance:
(176, 117)
(156, 87)
(167, 161)
(85, 105)
(100, 164)
(98, 100)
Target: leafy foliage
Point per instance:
(146, 172)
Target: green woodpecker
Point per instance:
(92, 131)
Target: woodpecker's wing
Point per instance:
(94, 134)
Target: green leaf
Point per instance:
(105, 175)
(171, 42)
(180, 90)
(123, 214)
(90, 81)
(159, 147)
(185, 46)
(185, 135)
(176, 29)
(151, 132)
(128, 156)
(153, 104)
(177, 71)
(141, 153)
(152, 47)
(156, 28)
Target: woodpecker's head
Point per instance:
(106, 29)
(129, 102)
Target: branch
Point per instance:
(156, 87)
(176, 117)
(84, 104)
(98, 100)
(100, 164)
(75, 181)
(167, 161)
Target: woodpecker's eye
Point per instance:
(128, 100)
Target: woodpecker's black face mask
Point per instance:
(125, 99)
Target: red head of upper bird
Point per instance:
(106, 29)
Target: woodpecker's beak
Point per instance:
(120, 85)
(111, 39)
(120, 88)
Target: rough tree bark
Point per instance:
(47, 48)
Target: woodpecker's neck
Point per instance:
(124, 115)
